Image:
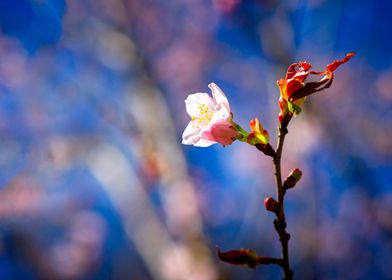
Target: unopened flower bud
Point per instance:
(258, 135)
(284, 115)
(239, 257)
(280, 117)
(292, 179)
(271, 204)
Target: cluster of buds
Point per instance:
(212, 120)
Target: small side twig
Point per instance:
(246, 257)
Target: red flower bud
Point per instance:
(284, 114)
(239, 257)
(292, 179)
(280, 117)
(271, 204)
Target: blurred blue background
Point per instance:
(94, 181)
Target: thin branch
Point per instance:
(270, 260)
(280, 221)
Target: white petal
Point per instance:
(191, 136)
(220, 98)
(204, 143)
(222, 114)
(193, 101)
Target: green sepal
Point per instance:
(243, 134)
(293, 108)
(262, 139)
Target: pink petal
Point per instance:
(221, 131)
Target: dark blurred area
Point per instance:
(94, 181)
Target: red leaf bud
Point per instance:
(271, 204)
(239, 257)
(292, 179)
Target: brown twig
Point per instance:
(280, 221)
(249, 257)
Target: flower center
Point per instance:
(205, 116)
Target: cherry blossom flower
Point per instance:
(294, 90)
(211, 119)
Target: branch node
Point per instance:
(266, 149)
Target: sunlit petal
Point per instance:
(194, 101)
(204, 143)
(220, 98)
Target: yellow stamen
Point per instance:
(205, 113)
